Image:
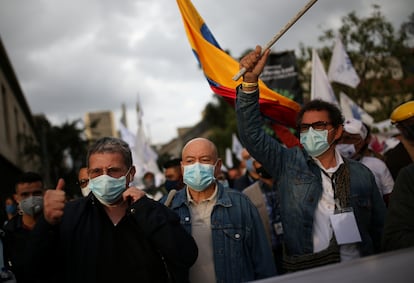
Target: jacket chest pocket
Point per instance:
(232, 241)
(299, 175)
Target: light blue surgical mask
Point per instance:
(108, 190)
(315, 142)
(198, 176)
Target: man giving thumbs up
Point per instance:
(116, 234)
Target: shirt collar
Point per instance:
(212, 197)
(339, 161)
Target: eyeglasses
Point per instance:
(83, 183)
(317, 126)
(114, 172)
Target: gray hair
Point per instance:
(111, 145)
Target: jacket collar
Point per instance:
(223, 198)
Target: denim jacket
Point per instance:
(300, 184)
(241, 249)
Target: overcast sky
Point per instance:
(78, 56)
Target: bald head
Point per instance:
(200, 148)
(203, 152)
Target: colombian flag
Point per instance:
(219, 68)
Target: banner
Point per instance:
(281, 75)
(219, 68)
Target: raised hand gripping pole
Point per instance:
(279, 34)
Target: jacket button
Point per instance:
(237, 236)
(186, 219)
(132, 210)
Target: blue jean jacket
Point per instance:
(241, 249)
(299, 181)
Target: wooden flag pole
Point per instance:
(279, 34)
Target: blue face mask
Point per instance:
(106, 189)
(199, 176)
(172, 185)
(249, 165)
(11, 209)
(315, 142)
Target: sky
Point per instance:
(78, 56)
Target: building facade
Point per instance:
(17, 128)
(100, 124)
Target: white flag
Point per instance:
(321, 87)
(229, 158)
(237, 147)
(127, 136)
(352, 110)
(144, 158)
(340, 68)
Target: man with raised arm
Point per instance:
(318, 188)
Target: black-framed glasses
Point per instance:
(317, 126)
(83, 182)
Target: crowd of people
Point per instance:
(279, 212)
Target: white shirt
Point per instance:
(322, 229)
(382, 174)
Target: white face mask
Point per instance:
(85, 191)
(346, 150)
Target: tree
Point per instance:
(379, 54)
(62, 151)
(221, 117)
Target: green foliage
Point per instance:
(382, 57)
(221, 117)
(58, 145)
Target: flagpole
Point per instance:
(279, 34)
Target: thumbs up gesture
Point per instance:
(54, 203)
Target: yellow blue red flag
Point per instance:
(219, 68)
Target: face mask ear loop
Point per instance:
(334, 141)
(214, 175)
(129, 179)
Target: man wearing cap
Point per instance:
(354, 144)
(402, 154)
(399, 224)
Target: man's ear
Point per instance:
(338, 133)
(16, 198)
(217, 170)
(132, 174)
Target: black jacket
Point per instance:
(87, 247)
(15, 241)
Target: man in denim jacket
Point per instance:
(316, 184)
(226, 226)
